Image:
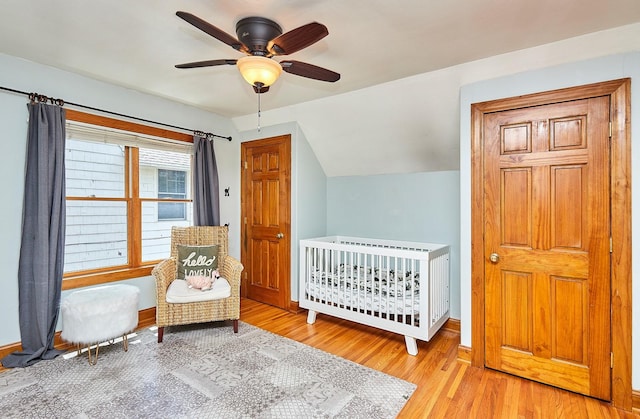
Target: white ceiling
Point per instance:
(371, 42)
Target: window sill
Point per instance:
(86, 280)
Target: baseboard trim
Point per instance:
(464, 354)
(294, 307)
(635, 401)
(146, 318)
(7, 349)
(452, 325)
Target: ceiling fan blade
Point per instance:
(309, 71)
(209, 63)
(297, 39)
(208, 28)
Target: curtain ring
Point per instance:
(37, 97)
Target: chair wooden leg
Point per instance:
(160, 334)
(235, 326)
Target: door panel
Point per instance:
(568, 207)
(516, 288)
(546, 202)
(516, 195)
(569, 303)
(266, 214)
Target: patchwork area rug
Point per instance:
(203, 371)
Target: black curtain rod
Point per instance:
(60, 102)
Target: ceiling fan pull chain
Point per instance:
(259, 110)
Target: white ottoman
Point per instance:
(99, 314)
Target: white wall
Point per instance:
(30, 77)
(567, 75)
(421, 207)
(310, 184)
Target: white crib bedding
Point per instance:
(367, 289)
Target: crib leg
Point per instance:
(311, 317)
(412, 345)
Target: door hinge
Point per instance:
(610, 129)
(611, 360)
(246, 166)
(610, 244)
(245, 220)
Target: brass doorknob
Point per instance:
(494, 257)
(279, 235)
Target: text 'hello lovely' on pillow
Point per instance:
(197, 260)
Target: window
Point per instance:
(117, 186)
(172, 184)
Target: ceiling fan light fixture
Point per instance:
(258, 70)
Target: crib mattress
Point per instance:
(367, 289)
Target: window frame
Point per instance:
(135, 267)
(168, 200)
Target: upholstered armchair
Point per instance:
(179, 305)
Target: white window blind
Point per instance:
(87, 132)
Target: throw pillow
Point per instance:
(197, 260)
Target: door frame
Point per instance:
(621, 319)
(285, 210)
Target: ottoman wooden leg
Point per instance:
(160, 334)
(235, 326)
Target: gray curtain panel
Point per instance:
(206, 202)
(41, 262)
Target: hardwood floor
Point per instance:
(447, 388)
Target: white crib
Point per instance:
(401, 287)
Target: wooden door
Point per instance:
(547, 244)
(266, 203)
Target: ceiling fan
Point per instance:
(261, 39)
